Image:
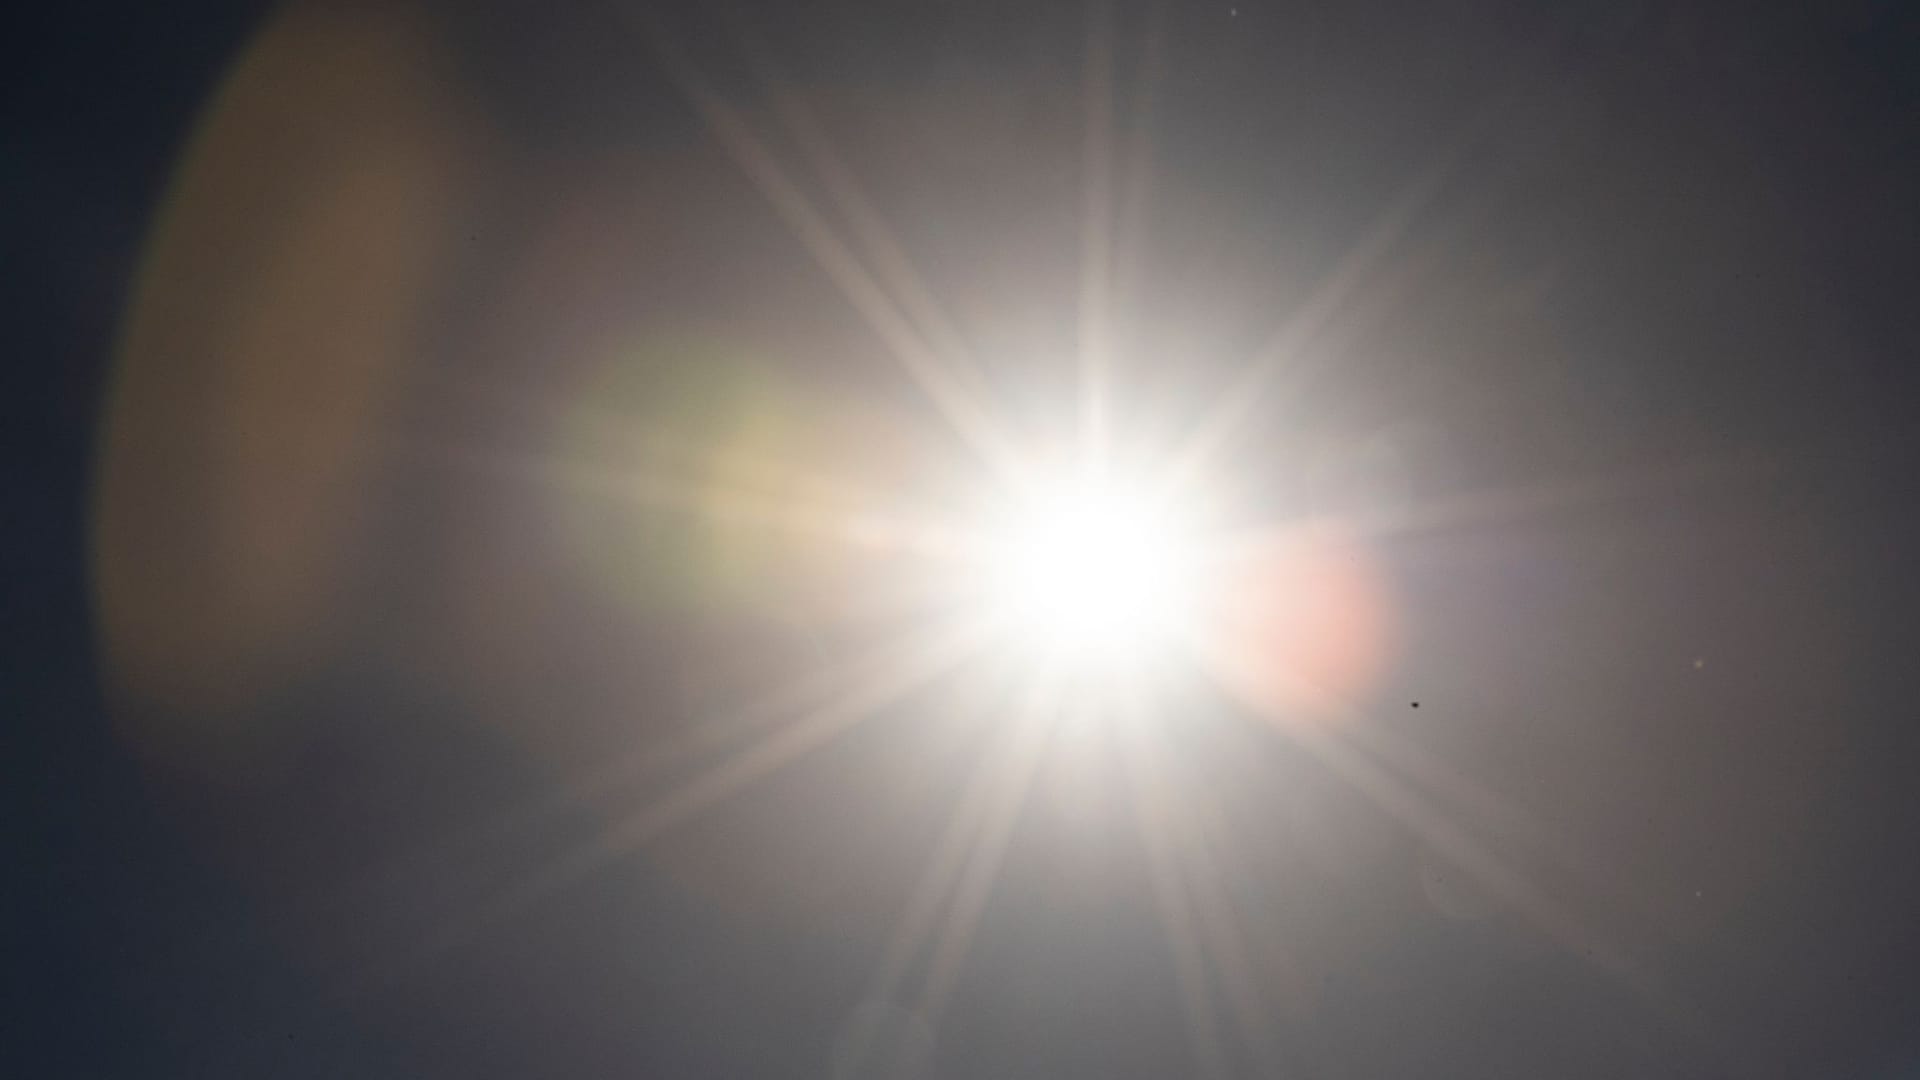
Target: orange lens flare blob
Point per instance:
(1300, 620)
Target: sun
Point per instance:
(1091, 570)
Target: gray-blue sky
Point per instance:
(1638, 365)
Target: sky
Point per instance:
(492, 490)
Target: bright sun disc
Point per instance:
(1091, 570)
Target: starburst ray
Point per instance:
(1096, 233)
(875, 237)
(863, 525)
(958, 404)
(911, 670)
(937, 880)
(1456, 844)
(1290, 348)
(1288, 345)
(615, 427)
(1130, 239)
(1533, 503)
(1218, 920)
(512, 827)
(1468, 800)
(1173, 904)
(1033, 731)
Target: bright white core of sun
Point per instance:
(1091, 571)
